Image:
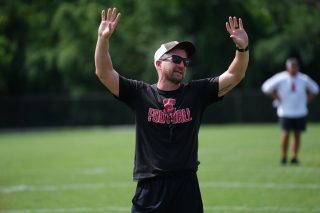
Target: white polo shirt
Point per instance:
(292, 91)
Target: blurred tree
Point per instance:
(48, 46)
(13, 29)
(286, 28)
(23, 41)
(74, 26)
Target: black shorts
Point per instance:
(293, 124)
(178, 193)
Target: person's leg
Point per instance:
(150, 196)
(284, 146)
(187, 196)
(299, 127)
(295, 147)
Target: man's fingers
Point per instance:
(231, 24)
(240, 24)
(114, 13)
(109, 14)
(235, 22)
(103, 17)
(228, 28)
(117, 19)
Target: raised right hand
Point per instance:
(109, 23)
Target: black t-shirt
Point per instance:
(167, 124)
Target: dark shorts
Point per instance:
(178, 193)
(293, 124)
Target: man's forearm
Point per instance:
(311, 96)
(102, 57)
(237, 69)
(104, 69)
(239, 65)
(274, 95)
(235, 73)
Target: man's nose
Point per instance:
(181, 64)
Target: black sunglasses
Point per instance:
(177, 59)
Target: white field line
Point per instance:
(104, 170)
(67, 210)
(267, 209)
(260, 185)
(246, 209)
(287, 170)
(51, 188)
(204, 184)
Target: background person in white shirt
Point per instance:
(291, 91)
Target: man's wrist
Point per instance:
(243, 49)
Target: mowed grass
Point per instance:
(90, 170)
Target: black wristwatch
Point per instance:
(243, 50)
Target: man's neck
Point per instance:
(168, 86)
(293, 74)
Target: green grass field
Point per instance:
(90, 170)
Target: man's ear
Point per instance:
(157, 63)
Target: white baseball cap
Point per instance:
(164, 48)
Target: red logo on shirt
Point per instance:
(293, 87)
(168, 105)
(169, 114)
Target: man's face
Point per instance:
(293, 67)
(170, 69)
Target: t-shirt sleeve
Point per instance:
(312, 85)
(208, 89)
(271, 84)
(268, 86)
(128, 91)
(212, 90)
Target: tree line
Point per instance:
(48, 46)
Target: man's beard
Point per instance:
(173, 78)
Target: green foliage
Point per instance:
(48, 46)
(75, 26)
(288, 28)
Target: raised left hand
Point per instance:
(237, 32)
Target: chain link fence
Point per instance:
(102, 109)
